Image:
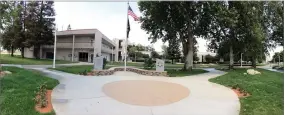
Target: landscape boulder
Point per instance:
(252, 72)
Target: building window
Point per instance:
(120, 43)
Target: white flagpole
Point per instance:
(126, 41)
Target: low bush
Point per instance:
(104, 63)
(41, 95)
(83, 72)
(148, 63)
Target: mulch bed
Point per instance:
(48, 108)
(240, 93)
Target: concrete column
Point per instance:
(72, 57)
(98, 43)
(116, 50)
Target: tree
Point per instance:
(274, 14)
(26, 25)
(275, 57)
(223, 30)
(183, 20)
(154, 54)
(132, 52)
(243, 27)
(173, 50)
(39, 26)
(165, 52)
(68, 27)
(12, 34)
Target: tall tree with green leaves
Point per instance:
(173, 50)
(12, 34)
(40, 25)
(184, 20)
(165, 52)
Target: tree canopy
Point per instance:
(27, 24)
(232, 27)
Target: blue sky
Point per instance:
(110, 18)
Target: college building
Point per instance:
(78, 45)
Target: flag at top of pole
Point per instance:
(131, 13)
(136, 18)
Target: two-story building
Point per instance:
(78, 45)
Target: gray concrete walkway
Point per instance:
(83, 95)
(268, 67)
(45, 66)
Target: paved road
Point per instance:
(83, 95)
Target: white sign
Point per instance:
(98, 65)
(159, 65)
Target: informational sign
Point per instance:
(159, 65)
(98, 65)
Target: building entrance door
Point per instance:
(83, 56)
(49, 55)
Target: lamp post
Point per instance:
(54, 46)
(54, 49)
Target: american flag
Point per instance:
(131, 13)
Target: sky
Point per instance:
(111, 19)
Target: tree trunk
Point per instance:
(22, 52)
(231, 58)
(253, 64)
(172, 61)
(189, 57)
(12, 51)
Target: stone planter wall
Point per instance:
(136, 70)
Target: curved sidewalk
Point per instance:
(83, 95)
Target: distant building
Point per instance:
(77, 45)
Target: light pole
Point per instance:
(54, 49)
(54, 46)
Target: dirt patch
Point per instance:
(145, 92)
(240, 93)
(48, 108)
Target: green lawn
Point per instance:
(167, 65)
(180, 73)
(17, 91)
(266, 89)
(76, 69)
(80, 68)
(17, 59)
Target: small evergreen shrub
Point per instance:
(148, 63)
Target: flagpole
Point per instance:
(126, 41)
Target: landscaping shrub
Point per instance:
(275, 67)
(148, 63)
(41, 95)
(104, 63)
(84, 72)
